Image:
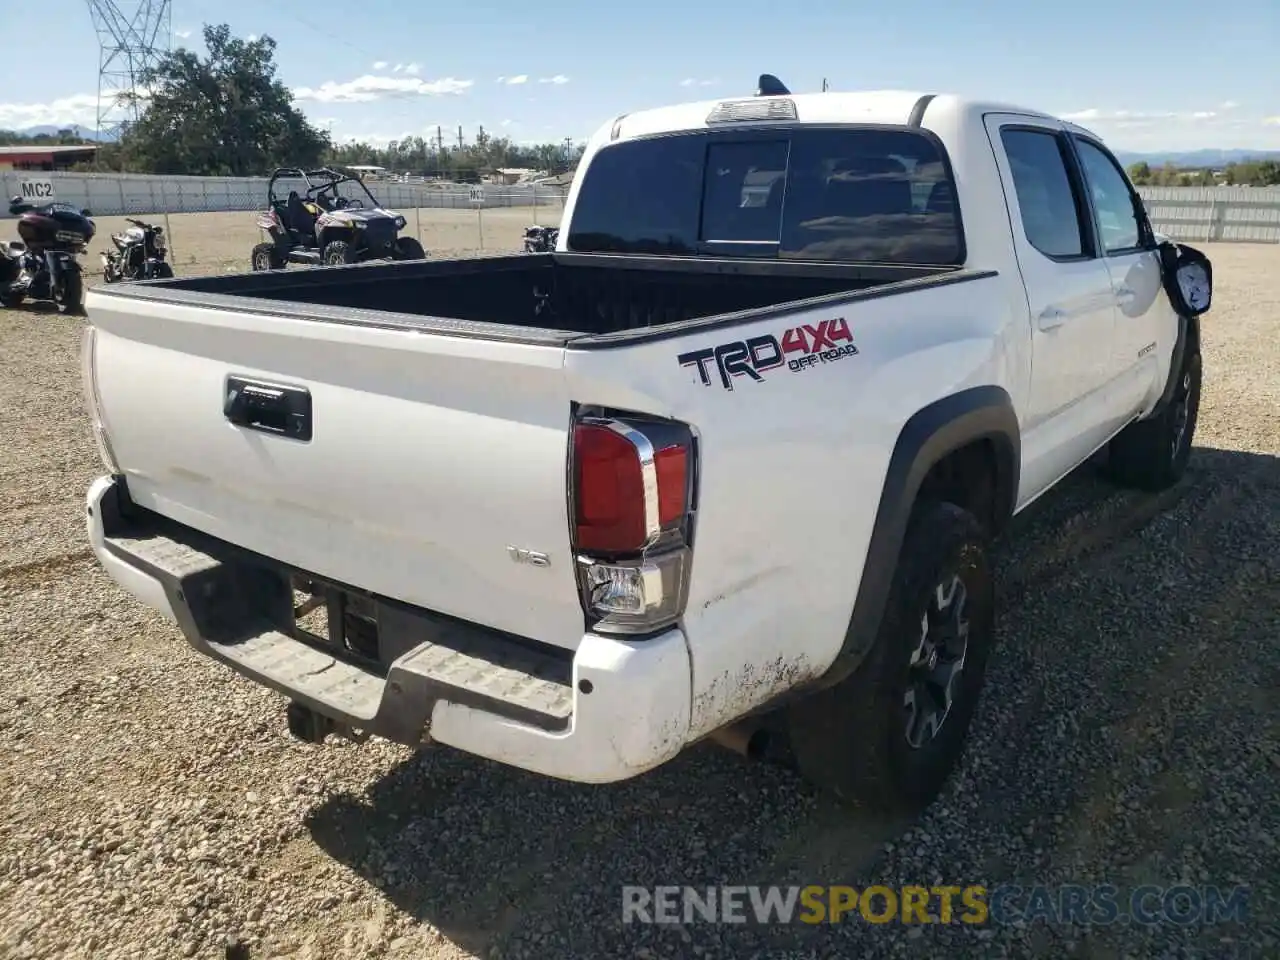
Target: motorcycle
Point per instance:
(538, 239)
(43, 264)
(139, 254)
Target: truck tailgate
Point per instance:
(429, 456)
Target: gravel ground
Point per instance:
(152, 804)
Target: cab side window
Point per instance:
(1112, 199)
(1047, 202)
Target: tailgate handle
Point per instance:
(269, 407)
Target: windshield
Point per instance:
(800, 193)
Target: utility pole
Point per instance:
(824, 85)
(459, 136)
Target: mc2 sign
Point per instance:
(37, 191)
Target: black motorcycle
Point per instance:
(540, 239)
(139, 254)
(42, 265)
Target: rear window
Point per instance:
(863, 195)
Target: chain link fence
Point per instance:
(221, 242)
(123, 194)
(212, 221)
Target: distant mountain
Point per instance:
(52, 131)
(1196, 158)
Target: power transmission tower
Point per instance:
(132, 37)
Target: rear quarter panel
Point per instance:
(791, 469)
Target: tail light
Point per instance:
(633, 482)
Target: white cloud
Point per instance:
(380, 65)
(515, 81)
(507, 123)
(412, 68)
(1271, 122)
(559, 79)
(1094, 115)
(397, 68)
(182, 34)
(369, 88)
(252, 37)
(78, 110)
(694, 82)
(1225, 127)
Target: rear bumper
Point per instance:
(609, 711)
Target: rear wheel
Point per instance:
(265, 256)
(338, 252)
(1152, 454)
(72, 298)
(890, 734)
(407, 248)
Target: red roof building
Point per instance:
(41, 157)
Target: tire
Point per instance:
(338, 252)
(1152, 454)
(856, 737)
(407, 248)
(72, 299)
(265, 256)
(12, 300)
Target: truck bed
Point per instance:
(539, 298)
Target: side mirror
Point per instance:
(86, 212)
(1188, 278)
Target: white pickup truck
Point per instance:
(725, 464)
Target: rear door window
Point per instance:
(830, 194)
(1048, 204)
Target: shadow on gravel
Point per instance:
(1121, 704)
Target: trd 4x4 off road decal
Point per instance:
(801, 348)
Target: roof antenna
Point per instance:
(770, 86)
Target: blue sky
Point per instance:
(1169, 76)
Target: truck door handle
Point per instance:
(1051, 317)
(1125, 296)
(268, 407)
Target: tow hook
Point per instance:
(307, 725)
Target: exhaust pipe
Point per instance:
(745, 738)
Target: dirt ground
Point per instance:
(152, 803)
(203, 243)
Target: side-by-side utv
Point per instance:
(324, 224)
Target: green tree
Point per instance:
(469, 162)
(224, 115)
(1140, 173)
(64, 137)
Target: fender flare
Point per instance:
(1186, 344)
(942, 427)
